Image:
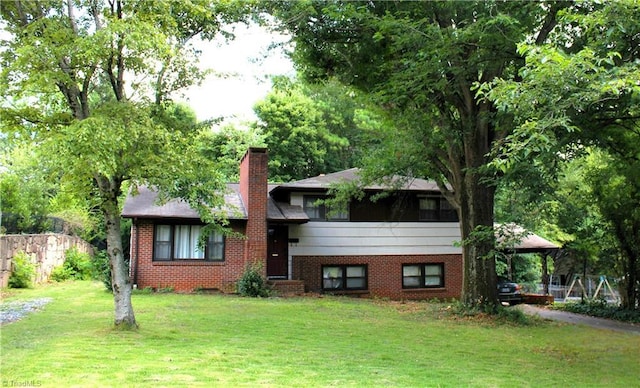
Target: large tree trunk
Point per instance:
(478, 249)
(628, 241)
(120, 281)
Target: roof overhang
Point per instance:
(527, 242)
(146, 204)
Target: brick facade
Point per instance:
(187, 275)
(253, 190)
(384, 274)
(184, 275)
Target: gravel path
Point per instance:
(13, 311)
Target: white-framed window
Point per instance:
(428, 275)
(318, 211)
(344, 277)
(180, 242)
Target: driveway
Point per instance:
(579, 319)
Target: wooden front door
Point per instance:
(277, 252)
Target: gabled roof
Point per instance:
(534, 243)
(528, 242)
(145, 205)
(325, 182)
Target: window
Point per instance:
(180, 242)
(320, 212)
(436, 209)
(423, 275)
(344, 277)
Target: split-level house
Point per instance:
(400, 246)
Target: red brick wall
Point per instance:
(184, 275)
(253, 189)
(191, 274)
(384, 274)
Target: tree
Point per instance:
(582, 90)
(615, 188)
(295, 133)
(24, 191)
(87, 83)
(228, 145)
(421, 61)
(313, 129)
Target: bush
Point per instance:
(252, 283)
(102, 269)
(22, 271)
(491, 313)
(60, 274)
(77, 266)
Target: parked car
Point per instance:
(509, 292)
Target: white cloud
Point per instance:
(249, 62)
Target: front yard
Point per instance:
(217, 340)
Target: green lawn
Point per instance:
(214, 340)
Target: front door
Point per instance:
(277, 252)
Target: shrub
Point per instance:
(165, 290)
(22, 271)
(77, 266)
(60, 274)
(491, 313)
(252, 283)
(102, 269)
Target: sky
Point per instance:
(234, 96)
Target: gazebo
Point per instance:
(515, 239)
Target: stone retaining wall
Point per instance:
(46, 251)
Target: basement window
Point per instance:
(429, 275)
(344, 277)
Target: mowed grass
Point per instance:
(227, 341)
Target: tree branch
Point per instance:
(550, 21)
(72, 20)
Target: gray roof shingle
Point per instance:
(323, 182)
(145, 205)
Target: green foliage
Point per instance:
(102, 269)
(77, 266)
(252, 283)
(420, 61)
(64, 69)
(165, 290)
(144, 291)
(228, 145)
(602, 309)
(24, 189)
(22, 271)
(314, 129)
(496, 313)
(514, 316)
(61, 274)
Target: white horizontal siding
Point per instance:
(374, 238)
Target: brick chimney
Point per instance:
(253, 189)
